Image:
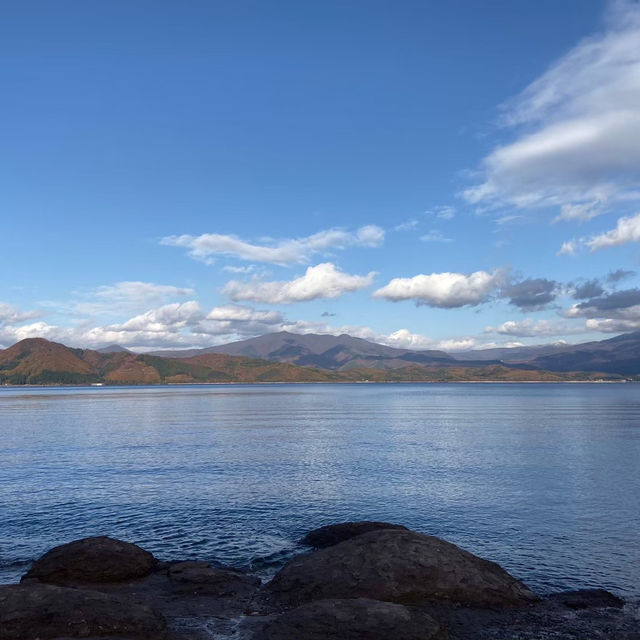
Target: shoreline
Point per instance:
(314, 382)
(371, 580)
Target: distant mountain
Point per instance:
(333, 353)
(38, 361)
(113, 348)
(615, 355)
(619, 355)
(511, 354)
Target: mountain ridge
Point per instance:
(39, 361)
(620, 354)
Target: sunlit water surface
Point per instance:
(542, 478)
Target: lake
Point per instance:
(542, 478)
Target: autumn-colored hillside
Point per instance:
(38, 361)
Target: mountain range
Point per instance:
(287, 357)
(619, 355)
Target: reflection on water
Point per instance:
(541, 478)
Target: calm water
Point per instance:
(544, 479)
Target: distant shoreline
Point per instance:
(323, 382)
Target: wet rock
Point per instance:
(332, 534)
(200, 578)
(35, 610)
(352, 619)
(98, 559)
(588, 599)
(394, 566)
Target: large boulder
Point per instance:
(332, 534)
(99, 559)
(395, 566)
(35, 610)
(354, 619)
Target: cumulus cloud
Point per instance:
(322, 281)
(533, 329)
(531, 294)
(283, 252)
(577, 129)
(609, 305)
(170, 316)
(611, 312)
(444, 290)
(616, 325)
(615, 276)
(587, 289)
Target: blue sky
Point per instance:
(454, 174)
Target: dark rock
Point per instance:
(353, 619)
(334, 533)
(200, 578)
(546, 619)
(395, 566)
(588, 599)
(99, 559)
(35, 610)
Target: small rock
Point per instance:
(29, 611)
(98, 559)
(201, 578)
(394, 566)
(332, 534)
(352, 619)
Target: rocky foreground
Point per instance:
(363, 581)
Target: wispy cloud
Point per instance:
(281, 252)
(577, 143)
(435, 236)
(627, 230)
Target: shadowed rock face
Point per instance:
(46, 611)
(588, 599)
(357, 619)
(394, 566)
(99, 559)
(199, 578)
(334, 533)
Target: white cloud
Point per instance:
(137, 290)
(577, 129)
(627, 230)
(580, 212)
(435, 236)
(282, 252)
(615, 325)
(234, 269)
(322, 281)
(407, 225)
(170, 316)
(11, 315)
(528, 328)
(445, 290)
(569, 248)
